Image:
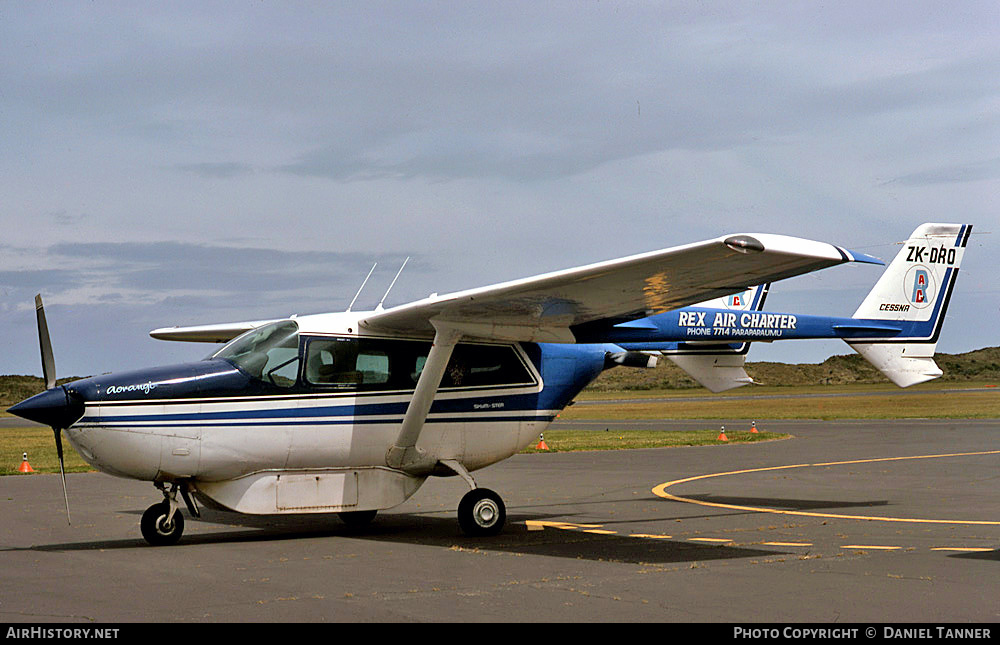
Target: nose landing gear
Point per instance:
(162, 524)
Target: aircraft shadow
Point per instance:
(993, 556)
(436, 531)
(516, 538)
(784, 503)
(578, 544)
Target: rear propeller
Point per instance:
(49, 373)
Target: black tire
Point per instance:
(481, 513)
(357, 519)
(154, 528)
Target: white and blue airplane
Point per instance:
(351, 412)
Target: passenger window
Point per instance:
(333, 362)
(485, 365)
(374, 368)
(391, 364)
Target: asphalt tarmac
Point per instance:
(860, 522)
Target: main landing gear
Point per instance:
(162, 524)
(481, 512)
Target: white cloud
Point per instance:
(490, 141)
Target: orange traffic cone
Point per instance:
(753, 427)
(722, 434)
(25, 467)
(541, 443)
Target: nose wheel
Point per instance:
(481, 513)
(162, 524)
(160, 527)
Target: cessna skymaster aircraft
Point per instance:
(351, 412)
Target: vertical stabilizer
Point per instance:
(914, 293)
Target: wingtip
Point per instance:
(864, 258)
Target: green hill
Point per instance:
(978, 365)
(18, 388)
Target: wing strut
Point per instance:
(404, 454)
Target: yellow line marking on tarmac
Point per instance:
(540, 525)
(962, 548)
(651, 536)
(661, 491)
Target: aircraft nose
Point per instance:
(55, 407)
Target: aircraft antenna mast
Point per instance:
(379, 307)
(362, 286)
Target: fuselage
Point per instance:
(317, 392)
(321, 401)
(320, 398)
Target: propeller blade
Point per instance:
(62, 470)
(49, 373)
(48, 360)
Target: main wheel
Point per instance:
(155, 528)
(481, 512)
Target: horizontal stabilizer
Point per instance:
(717, 373)
(903, 364)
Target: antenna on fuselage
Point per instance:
(362, 286)
(379, 307)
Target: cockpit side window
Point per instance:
(270, 353)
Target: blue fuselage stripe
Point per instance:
(158, 422)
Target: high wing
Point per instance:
(547, 308)
(220, 333)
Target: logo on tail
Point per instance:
(919, 285)
(739, 300)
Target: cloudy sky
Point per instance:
(201, 162)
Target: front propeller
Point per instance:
(56, 406)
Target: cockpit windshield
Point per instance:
(269, 353)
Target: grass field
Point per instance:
(930, 401)
(942, 400)
(41, 448)
(575, 440)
